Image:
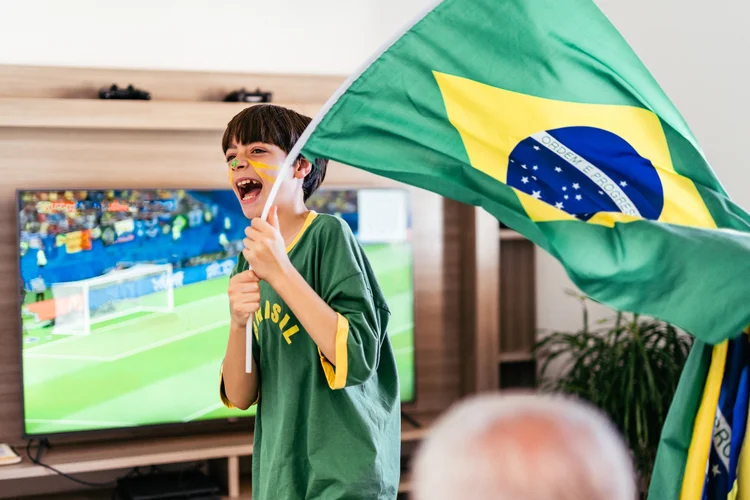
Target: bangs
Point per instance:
(265, 123)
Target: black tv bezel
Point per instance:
(171, 429)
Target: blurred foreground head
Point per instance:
(523, 447)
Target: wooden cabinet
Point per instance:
(498, 305)
(517, 309)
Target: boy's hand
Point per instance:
(265, 250)
(244, 297)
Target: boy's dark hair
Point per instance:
(275, 125)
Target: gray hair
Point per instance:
(523, 447)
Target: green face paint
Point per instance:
(234, 163)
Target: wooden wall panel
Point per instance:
(487, 294)
(454, 257)
(84, 83)
(118, 115)
(518, 300)
(471, 249)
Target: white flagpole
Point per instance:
(297, 148)
(264, 215)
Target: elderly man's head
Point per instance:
(523, 447)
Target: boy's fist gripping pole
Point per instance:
(265, 250)
(244, 297)
(244, 300)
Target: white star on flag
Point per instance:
(535, 167)
(715, 470)
(559, 205)
(525, 180)
(576, 186)
(566, 196)
(536, 148)
(536, 194)
(523, 167)
(558, 169)
(579, 197)
(601, 192)
(624, 184)
(565, 188)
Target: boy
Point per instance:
(324, 373)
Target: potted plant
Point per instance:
(628, 366)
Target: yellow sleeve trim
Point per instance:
(223, 392)
(336, 375)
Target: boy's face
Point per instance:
(253, 169)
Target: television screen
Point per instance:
(124, 306)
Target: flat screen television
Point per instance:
(123, 300)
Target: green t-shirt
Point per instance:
(325, 432)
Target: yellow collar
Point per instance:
(310, 217)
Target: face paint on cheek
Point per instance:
(262, 166)
(266, 177)
(266, 172)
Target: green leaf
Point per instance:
(627, 367)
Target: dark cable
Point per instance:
(135, 471)
(37, 459)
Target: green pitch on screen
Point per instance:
(153, 368)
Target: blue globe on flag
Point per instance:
(586, 170)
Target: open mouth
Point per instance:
(249, 189)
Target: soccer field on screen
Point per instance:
(155, 368)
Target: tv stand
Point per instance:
(222, 452)
(223, 449)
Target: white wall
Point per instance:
(277, 36)
(697, 53)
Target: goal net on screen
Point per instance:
(81, 304)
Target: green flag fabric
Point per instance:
(539, 112)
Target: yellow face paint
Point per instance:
(261, 169)
(266, 177)
(262, 166)
(264, 171)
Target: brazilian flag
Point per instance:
(539, 112)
